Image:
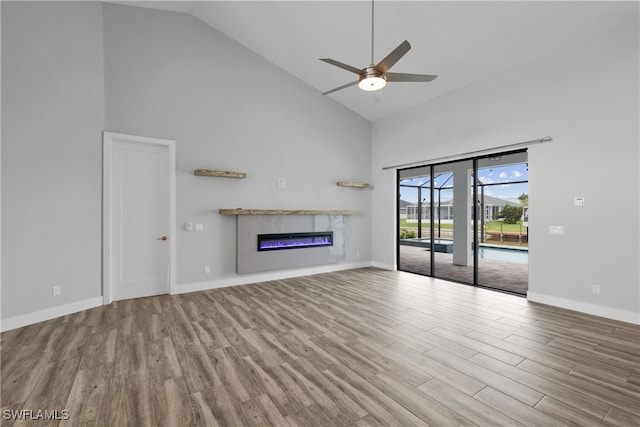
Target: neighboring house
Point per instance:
(492, 208)
(403, 206)
(494, 205)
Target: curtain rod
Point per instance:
(471, 153)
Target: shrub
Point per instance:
(407, 234)
(511, 214)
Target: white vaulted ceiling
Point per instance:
(460, 41)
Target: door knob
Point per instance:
(163, 238)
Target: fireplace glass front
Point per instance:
(272, 242)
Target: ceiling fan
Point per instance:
(375, 76)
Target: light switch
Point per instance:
(579, 202)
(188, 226)
(199, 227)
(556, 229)
(282, 183)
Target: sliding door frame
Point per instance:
(476, 212)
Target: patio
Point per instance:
(503, 275)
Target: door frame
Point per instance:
(475, 241)
(107, 201)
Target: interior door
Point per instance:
(139, 182)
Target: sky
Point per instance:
(502, 175)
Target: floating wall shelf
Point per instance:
(221, 174)
(352, 184)
(285, 212)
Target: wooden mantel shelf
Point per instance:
(353, 184)
(285, 212)
(221, 174)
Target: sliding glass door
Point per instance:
(503, 199)
(414, 221)
(453, 240)
(457, 221)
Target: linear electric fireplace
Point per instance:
(272, 242)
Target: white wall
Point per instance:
(52, 113)
(171, 76)
(586, 98)
(73, 69)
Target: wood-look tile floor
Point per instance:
(364, 347)
(502, 275)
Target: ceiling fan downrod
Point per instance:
(372, 79)
(372, 28)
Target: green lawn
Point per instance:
(495, 226)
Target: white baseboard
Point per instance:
(384, 266)
(245, 279)
(48, 313)
(583, 307)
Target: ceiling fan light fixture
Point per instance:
(372, 79)
(372, 83)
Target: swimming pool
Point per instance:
(519, 256)
(498, 253)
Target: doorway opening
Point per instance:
(467, 221)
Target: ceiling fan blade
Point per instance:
(388, 62)
(341, 87)
(404, 77)
(341, 65)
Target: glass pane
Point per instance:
(453, 221)
(503, 254)
(414, 229)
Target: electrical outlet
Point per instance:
(556, 229)
(56, 290)
(595, 289)
(188, 226)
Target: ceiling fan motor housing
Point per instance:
(372, 79)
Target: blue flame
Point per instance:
(294, 240)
